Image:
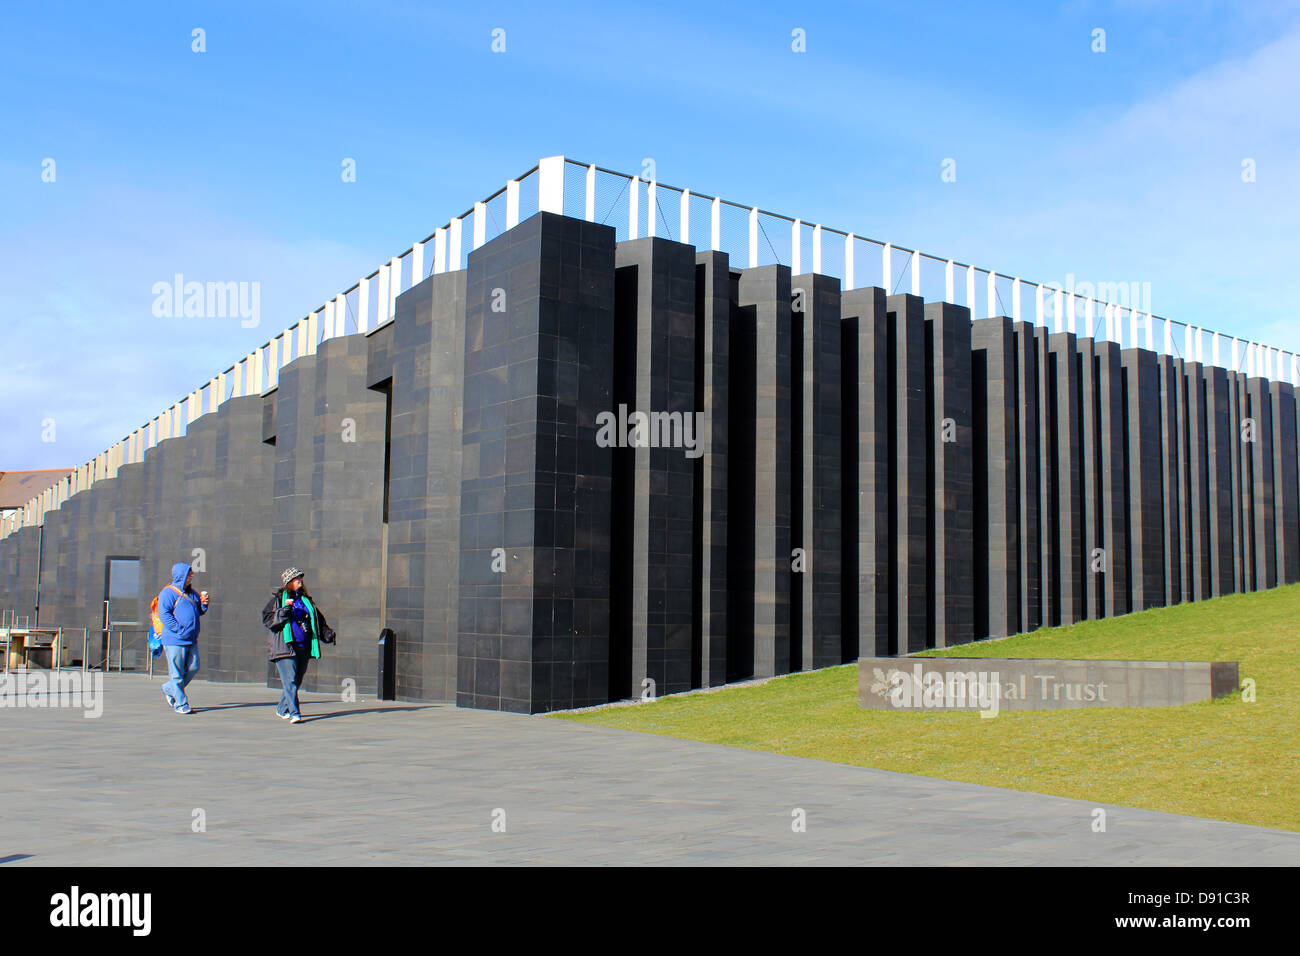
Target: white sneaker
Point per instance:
(295, 719)
(282, 716)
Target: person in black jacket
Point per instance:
(297, 630)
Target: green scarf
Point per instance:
(311, 622)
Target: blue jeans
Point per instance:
(293, 670)
(182, 665)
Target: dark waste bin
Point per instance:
(387, 664)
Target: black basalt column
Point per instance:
(1260, 449)
(291, 503)
(662, 315)
(1068, 487)
(817, 337)
(1172, 550)
(910, 456)
(1243, 533)
(764, 293)
(536, 377)
(19, 558)
(156, 554)
(165, 514)
(712, 385)
(1049, 524)
(154, 566)
(422, 580)
(69, 595)
(88, 599)
(996, 472)
(109, 526)
(868, 440)
(1030, 465)
(1286, 505)
(948, 340)
(197, 538)
(1112, 479)
(241, 573)
(1146, 547)
(1220, 438)
(327, 513)
(1090, 470)
(1194, 444)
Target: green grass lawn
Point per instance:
(1225, 759)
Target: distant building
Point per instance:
(19, 487)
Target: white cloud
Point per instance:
(1154, 193)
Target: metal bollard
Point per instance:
(387, 664)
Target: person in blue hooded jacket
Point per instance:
(179, 609)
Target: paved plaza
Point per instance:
(371, 782)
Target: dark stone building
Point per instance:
(819, 474)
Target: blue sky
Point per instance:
(225, 165)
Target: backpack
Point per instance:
(155, 633)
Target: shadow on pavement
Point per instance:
(311, 718)
(201, 709)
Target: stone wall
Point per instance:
(876, 475)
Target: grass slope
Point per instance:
(1225, 759)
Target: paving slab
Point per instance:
(369, 782)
